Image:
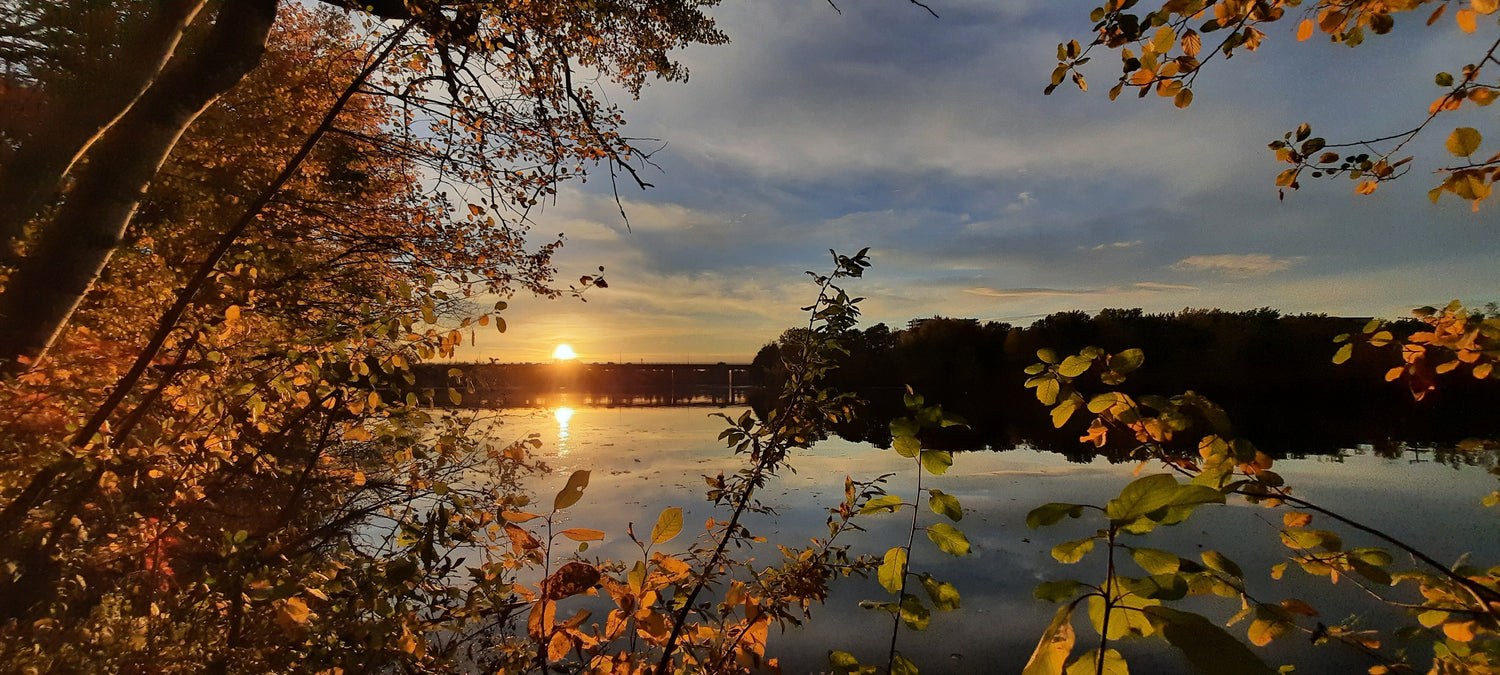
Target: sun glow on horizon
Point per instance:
(564, 353)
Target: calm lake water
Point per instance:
(647, 459)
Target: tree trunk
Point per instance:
(81, 112)
(72, 249)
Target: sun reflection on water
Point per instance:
(563, 415)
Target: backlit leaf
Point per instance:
(571, 492)
(1142, 496)
(1464, 141)
(1052, 650)
(668, 524)
(1073, 551)
(887, 503)
(1088, 664)
(892, 570)
(944, 595)
(948, 538)
(937, 461)
(582, 534)
(945, 504)
(1155, 561)
(1467, 21)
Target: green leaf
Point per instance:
(1056, 644)
(901, 666)
(943, 594)
(904, 427)
(907, 446)
(1056, 591)
(1464, 141)
(1206, 646)
(1156, 561)
(844, 663)
(1087, 664)
(668, 524)
(1142, 496)
(1048, 514)
(1073, 366)
(948, 538)
(1157, 586)
(913, 613)
(1127, 361)
(937, 461)
(893, 570)
(1218, 562)
(945, 504)
(1073, 551)
(571, 492)
(887, 503)
(1047, 355)
(1125, 619)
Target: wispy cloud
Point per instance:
(1116, 245)
(1236, 265)
(1159, 286)
(1030, 292)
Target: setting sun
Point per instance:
(564, 352)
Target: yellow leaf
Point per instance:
(1191, 43)
(1467, 20)
(1056, 644)
(1485, 6)
(1184, 98)
(232, 313)
(1366, 187)
(1464, 141)
(1304, 30)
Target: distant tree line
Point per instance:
(1273, 373)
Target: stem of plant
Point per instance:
(1109, 604)
(911, 535)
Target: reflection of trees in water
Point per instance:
(1281, 426)
(594, 384)
(1271, 373)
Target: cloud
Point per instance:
(1236, 265)
(1158, 286)
(1030, 292)
(1118, 244)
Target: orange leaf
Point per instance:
(1467, 20)
(1366, 187)
(1304, 30)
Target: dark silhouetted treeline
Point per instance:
(1272, 373)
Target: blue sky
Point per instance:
(929, 141)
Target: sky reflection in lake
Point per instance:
(646, 459)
